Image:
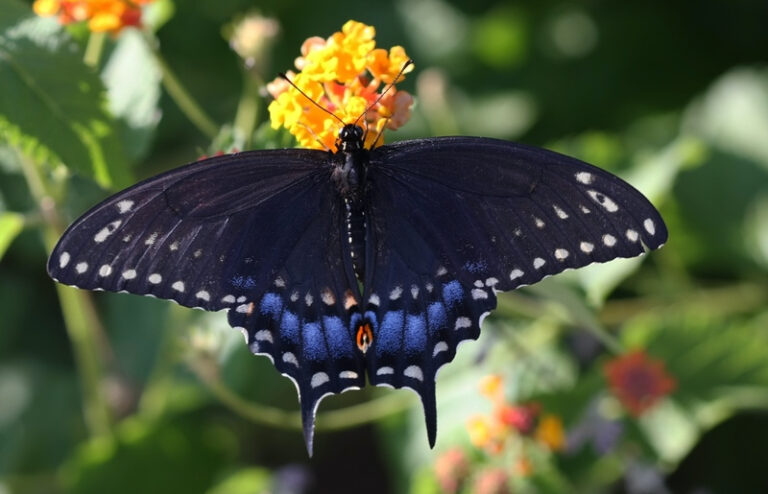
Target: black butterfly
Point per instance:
(284, 239)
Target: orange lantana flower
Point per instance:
(101, 15)
(344, 74)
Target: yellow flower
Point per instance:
(344, 74)
(492, 387)
(550, 432)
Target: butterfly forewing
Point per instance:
(456, 219)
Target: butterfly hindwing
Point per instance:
(468, 217)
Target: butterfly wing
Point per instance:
(256, 233)
(456, 219)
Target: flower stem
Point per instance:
(186, 103)
(93, 49)
(80, 316)
(248, 108)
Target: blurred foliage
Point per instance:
(113, 393)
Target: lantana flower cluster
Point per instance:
(510, 422)
(101, 15)
(344, 74)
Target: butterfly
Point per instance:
(361, 262)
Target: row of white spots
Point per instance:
(412, 371)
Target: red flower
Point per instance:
(638, 381)
(451, 468)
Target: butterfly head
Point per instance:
(350, 138)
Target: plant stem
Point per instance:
(93, 49)
(248, 108)
(344, 418)
(80, 317)
(186, 103)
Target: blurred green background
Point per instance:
(117, 393)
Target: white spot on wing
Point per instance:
(603, 200)
(561, 254)
(151, 239)
(491, 282)
(105, 232)
(241, 299)
(463, 322)
(440, 346)
(560, 213)
(81, 267)
(478, 294)
(203, 295)
(632, 235)
(318, 379)
(129, 274)
(584, 209)
(328, 297)
(124, 206)
(155, 278)
(228, 299)
(587, 247)
(414, 372)
(290, 358)
(348, 374)
(539, 222)
(515, 274)
(650, 227)
(178, 286)
(414, 291)
(294, 296)
(609, 240)
(105, 270)
(385, 371)
(174, 246)
(64, 260)
(395, 293)
(374, 300)
(308, 299)
(263, 335)
(279, 282)
(585, 177)
(441, 271)
(538, 263)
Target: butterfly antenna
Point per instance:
(326, 110)
(378, 136)
(386, 89)
(317, 138)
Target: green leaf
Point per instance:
(11, 225)
(710, 359)
(52, 106)
(133, 84)
(245, 481)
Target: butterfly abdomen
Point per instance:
(354, 228)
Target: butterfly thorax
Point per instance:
(351, 161)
